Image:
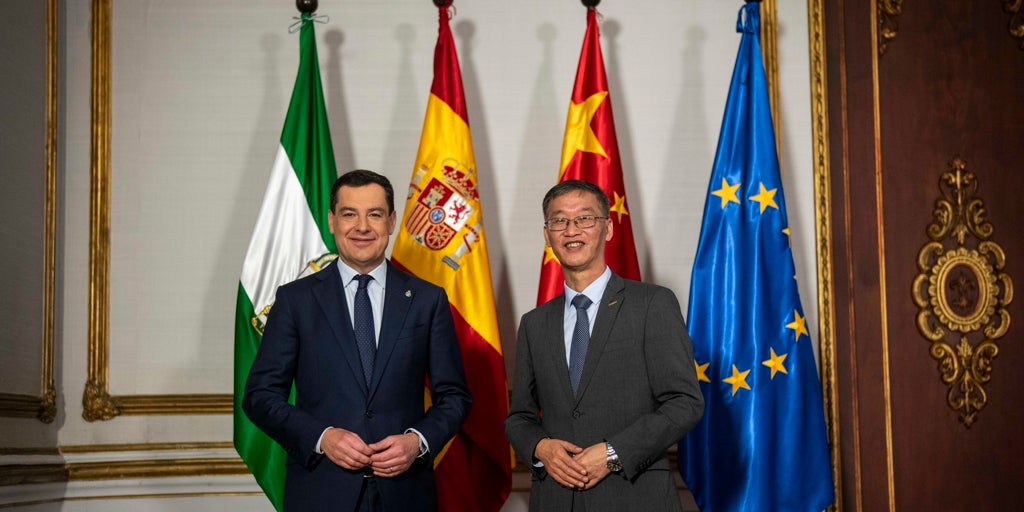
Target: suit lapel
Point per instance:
(553, 320)
(397, 299)
(608, 311)
(330, 294)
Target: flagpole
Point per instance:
(590, 4)
(442, 3)
(307, 6)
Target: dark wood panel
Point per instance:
(861, 383)
(950, 83)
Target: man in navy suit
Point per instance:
(358, 437)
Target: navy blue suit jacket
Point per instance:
(308, 341)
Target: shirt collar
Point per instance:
(379, 273)
(594, 291)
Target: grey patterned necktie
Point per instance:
(580, 340)
(363, 322)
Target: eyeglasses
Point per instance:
(582, 222)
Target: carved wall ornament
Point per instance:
(97, 404)
(1016, 26)
(961, 290)
(888, 22)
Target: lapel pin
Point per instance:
(612, 303)
(408, 293)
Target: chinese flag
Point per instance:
(441, 240)
(590, 152)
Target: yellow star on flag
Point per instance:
(549, 255)
(738, 380)
(765, 197)
(620, 206)
(727, 193)
(799, 325)
(702, 371)
(775, 363)
(578, 134)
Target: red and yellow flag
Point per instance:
(442, 240)
(590, 152)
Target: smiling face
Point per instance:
(362, 225)
(579, 250)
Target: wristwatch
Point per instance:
(614, 465)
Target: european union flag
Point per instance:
(761, 445)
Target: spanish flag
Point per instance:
(442, 240)
(590, 152)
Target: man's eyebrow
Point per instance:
(351, 209)
(583, 211)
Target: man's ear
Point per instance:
(391, 222)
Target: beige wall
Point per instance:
(198, 96)
(22, 140)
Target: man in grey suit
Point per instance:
(604, 381)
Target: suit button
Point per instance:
(576, 414)
(369, 414)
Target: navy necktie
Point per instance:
(363, 323)
(580, 340)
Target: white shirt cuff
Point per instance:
(321, 438)
(424, 447)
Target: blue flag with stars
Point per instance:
(761, 444)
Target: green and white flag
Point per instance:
(291, 239)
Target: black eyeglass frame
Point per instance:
(581, 222)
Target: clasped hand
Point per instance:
(388, 457)
(572, 466)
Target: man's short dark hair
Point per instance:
(360, 178)
(567, 186)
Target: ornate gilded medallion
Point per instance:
(962, 292)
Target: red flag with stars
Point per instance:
(590, 152)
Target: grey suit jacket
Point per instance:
(638, 391)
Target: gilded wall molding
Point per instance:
(48, 401)
(44, 406)
(108, 470)
(25, 474)
(97, 402)
(823, 234)
(135, 447)
(962, 292)
(770, 56)
(888, 12)
(1016, 24)
(210, 465)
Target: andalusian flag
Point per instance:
(291, 239)
(442, 241)
(590, 152)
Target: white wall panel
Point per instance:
(199, 94)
